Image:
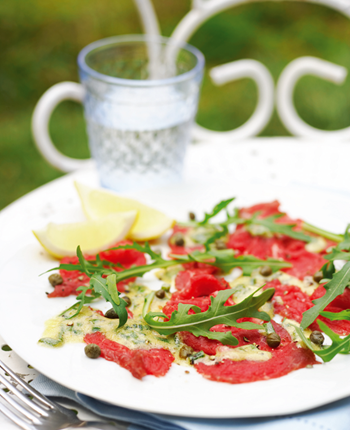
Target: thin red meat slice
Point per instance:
(71, 279)
(282, 247)
(283, 361)
(289, 301)
(200, 284)
(140, 362)
(304, 263)
(126, 257)
(265, 209)
(74, 279)
(183, 278)
(196, 283)
(286, 358)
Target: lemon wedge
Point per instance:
(93, 236)
(97, 203)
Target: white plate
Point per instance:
(24, 308)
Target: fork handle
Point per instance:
(98, 425)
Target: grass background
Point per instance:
(40, 41)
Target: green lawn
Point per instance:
(40, 41)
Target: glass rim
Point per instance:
(140, 82)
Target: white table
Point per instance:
(267, 160)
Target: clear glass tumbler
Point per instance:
(141, 98)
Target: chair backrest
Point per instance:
(200, 12)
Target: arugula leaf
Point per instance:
(83, 299)
(321, 232)
(345, 244)
(145, 249)
(112, 289)
(225, 259)
(83, 263)
(333, 288)
(337, 284)
(215, 236)
(339, 345)
(285, 229)
(337, 253)
(337, 316)
(107, 288)
(200, 323)
(217, 208)
(88, 267)
(268, 224)
(328, 270)
(248, 263)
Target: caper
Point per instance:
(92, 350)
(178, 239)
(317, 337)
(185, 351)
(127, 300)
(318, 276)
(111, 314)
(273, 340)
(220, 244)
(265, 271)
(55, 279)
(192, 216)
(160, 294)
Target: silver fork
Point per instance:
(40, 413)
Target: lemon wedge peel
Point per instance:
(93, 236)
(150, 223)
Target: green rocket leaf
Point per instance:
(337, 316)
(327, 353)
(274, 227)
(217, 208)
(334, 288)
(104, 286)
(200, 323)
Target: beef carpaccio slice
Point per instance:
(304, 263)
(285, 359)
(74, 279)
(140, 362)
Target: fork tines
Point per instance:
(27, 416)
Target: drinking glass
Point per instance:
(140, 97)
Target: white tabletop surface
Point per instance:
(262, 160)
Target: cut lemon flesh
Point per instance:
(92, 236)
(149, 224)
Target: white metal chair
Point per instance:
(268, 95)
